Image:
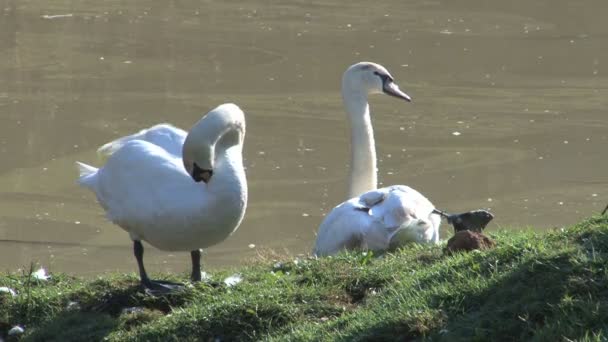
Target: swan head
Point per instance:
(371, 78)
(198, 156)
(221, 128)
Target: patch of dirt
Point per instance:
(467, 241)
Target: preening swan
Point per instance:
(177, 191)
(376, 216)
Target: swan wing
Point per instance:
(388, 210)
(342, 228)
(425, 226)
(373, 197)
(142, 184)
(165, 136)
(362, 222)
(375, 218)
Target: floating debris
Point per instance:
(233, 280)
(5, 289)
(456, 133)
(57, 16)
(251, 245)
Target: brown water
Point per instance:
(524, 83)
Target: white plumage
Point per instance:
(150, 183)
(373, 218)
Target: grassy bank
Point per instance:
(545, 286)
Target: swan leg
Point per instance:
(196, 265)
(153, 287)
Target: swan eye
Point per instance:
(199, 174)
(384, 77)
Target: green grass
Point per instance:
(534, 286)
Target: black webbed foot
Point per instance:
(161, 287)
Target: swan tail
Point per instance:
(88, 175)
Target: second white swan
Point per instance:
(372, 218)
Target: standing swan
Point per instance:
(373, 219)
(177, 191)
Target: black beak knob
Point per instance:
(199, 174)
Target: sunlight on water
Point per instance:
(509, 112)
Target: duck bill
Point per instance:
(392, 89)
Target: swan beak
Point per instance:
(199, 174)
(205, 176)
(392, 89)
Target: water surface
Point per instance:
(509, 111)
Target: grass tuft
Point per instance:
(549, 286)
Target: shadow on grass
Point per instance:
(556, 296)
(102, 309)
(244, 321)
(551, 296)
(75, 326)
(547, 298)
(115, 300)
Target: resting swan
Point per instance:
(376, 216)
(177, 191)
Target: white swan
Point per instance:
(175, 203)
(370, 221)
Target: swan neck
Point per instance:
(363, 148)
(229, 149)
(210, 138)
(229, 171)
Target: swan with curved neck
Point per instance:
(373, 217)
(177, 191)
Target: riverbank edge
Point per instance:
(532, 286)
